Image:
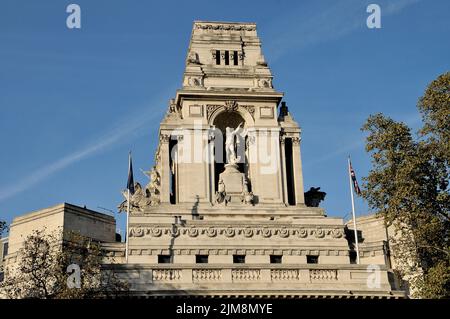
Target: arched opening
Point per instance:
(221, 122)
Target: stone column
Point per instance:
(164, 167)
(298, 171)
(210, 163)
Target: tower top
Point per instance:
(221, 26)
(226, 56)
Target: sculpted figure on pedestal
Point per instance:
(231, 145)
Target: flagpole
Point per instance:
(126, 236)
(128, 211)
(353, 212)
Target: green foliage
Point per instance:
(41, 271)
(2, 227)
(408, 186)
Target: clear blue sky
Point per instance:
(73, 102)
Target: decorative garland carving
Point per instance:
(250, 109)
(225, 27)
(227, 231)
(164, 138)
(229, 106)
(296, 140)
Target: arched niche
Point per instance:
(221, 121)
(228, 119)
(221, 111)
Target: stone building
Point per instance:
(224, 210)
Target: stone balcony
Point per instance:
(310, 280)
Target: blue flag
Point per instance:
(130, 183)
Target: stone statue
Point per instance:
(172, 106)
(143, 198)
(230, 145)
(313, 197)
(193, 58)
(138, 201)
(220, 194)
(173, 109)
(247, 196)
(154, 183)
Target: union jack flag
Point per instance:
(355, 182)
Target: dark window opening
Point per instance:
(289, 171)
(217, 57)
(5, 249)
(201, 259)
(2, 276)
(235, 58)
(164, 259)
(352, 256)
(310, 259)
(238, 259)
(173, 149)
(227, 57)
(276, 259)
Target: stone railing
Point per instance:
(166, 274)
(253, 277)
(284, 274)
(227, 279)
(323, 274)
(245, 275)
(199, 275)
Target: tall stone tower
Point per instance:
(224, 211)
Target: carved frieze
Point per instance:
(228, 232)
(229, 106)
(225, 27)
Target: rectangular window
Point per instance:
(289, 170)
(235, 58)
(173, 151)
(5, 249)
(227, 57)
(218, 57)
(310, 259)
(352, 256)
(164, 259)
(276, 259)
(238, 259)
(201, 259)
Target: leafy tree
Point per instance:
(2, 227)
(42, 269)
(408, 186)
